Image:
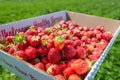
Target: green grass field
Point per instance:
(13, 10)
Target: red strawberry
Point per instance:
(80, 66)
(107, 36)
(54, 69)
(35, 41)
(62, 65)
(92, 57)
(69, 51)
(30, 52)
(35, 61)
(68, 71)
(21, 55)
(74, 77)
(50, 44)
(80, 52)
(9, 39)
(42, 51)
(59, 42)
(20, 41)
(69, 42)
(59, 77)
(44, 60)
(12, 50)
(31, 31)
(70, 61)
(40, 66)
(48, 65)
(54, 55)
(77, 42)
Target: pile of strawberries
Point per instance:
(66, 50)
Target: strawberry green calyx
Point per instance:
(32, 28)
(49, 30)
(19, 38)
(57, 26)
(59, 39)
(35, 38)
(44, 42)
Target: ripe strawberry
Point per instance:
(54, 55)
(40, 66)
(44, 60)
(59, 77)
(80, 52)
(35, 41)
(50, 44)
(42, 51)
(47, 65)
(74, 77)
(107, 36)
(62, 65)
(31, 31)
(30, 52)
(77, 42)
(34, 61)
(100, 28)
(70, 61)
(69, 42)
(9, 39)
(20, 55)
(92, 57)
(20, 40)
(48, 30)
(80, 66)
(54, 69)
(67, 72)
(12, 50)
(59, 42)
(69, 51)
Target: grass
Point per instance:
(13, 10)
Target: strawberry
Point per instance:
(80, 52)
(74, 77)
(47, 65)
(48, 30)
(62, 65)
(92, 57)
(35, 41)
(67, 72)
(77, 42)
(50, 44)
(35, 61)
(54, 55)
(44, 60)
(42, 51)
(31, 31)
(54, 69)
(69, 42)
(20, 55)
(9, 39)
(59, 77)
(40, 66)
(80, 66)
(69, 51)
(30, 52)
(20, 41)
(59, 42)
(107, 36)
(12, 50)
(70, 61)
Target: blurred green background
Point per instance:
(13, 10)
